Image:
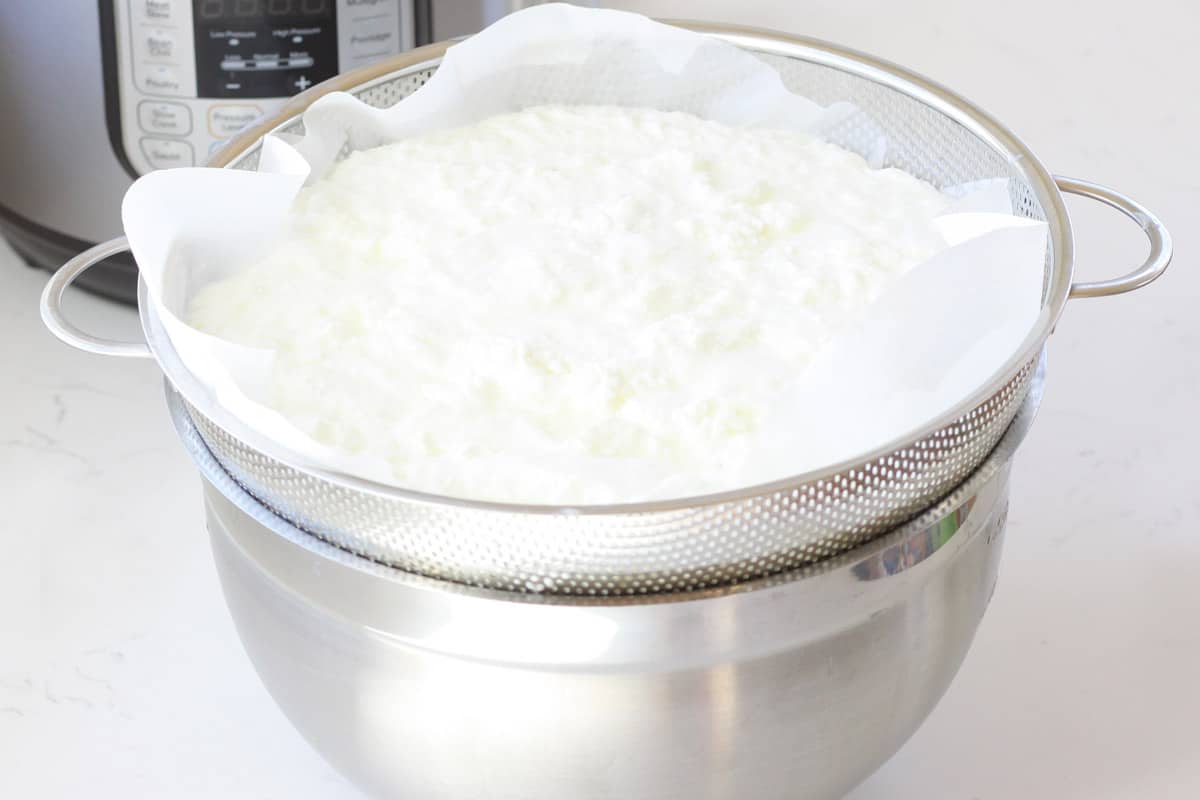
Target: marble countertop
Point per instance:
(121, 674)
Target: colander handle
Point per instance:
(1160, 239)
(63, 328)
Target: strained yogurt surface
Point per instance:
(569, 305)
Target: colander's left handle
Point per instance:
(63, 328)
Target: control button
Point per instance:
(367, 41)
(164, 117)
(366, 35)
(159, 10)
(229, 118)
(159, 44)
(370, 45)
(158, 79)
(302, 83)
(166, 153)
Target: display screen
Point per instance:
(246, 9)
(263, 48)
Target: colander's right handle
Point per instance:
(63, 328)
(1160, 239)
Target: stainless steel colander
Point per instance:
(692, 543)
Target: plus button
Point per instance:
(302, 83)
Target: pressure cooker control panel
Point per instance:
(189, 74)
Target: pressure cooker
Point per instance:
(95, 93)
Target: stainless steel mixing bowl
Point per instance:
(797, 686)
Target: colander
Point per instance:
(691, 543)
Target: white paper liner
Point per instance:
(931, 340)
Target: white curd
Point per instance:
(569, 304)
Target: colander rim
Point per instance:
(758, 40)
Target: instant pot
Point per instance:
(94, 94)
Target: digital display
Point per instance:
(257, 9)
(263, 48)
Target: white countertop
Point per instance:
(121, 675)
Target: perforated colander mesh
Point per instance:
(682, 549)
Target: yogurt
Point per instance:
(569, 304)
